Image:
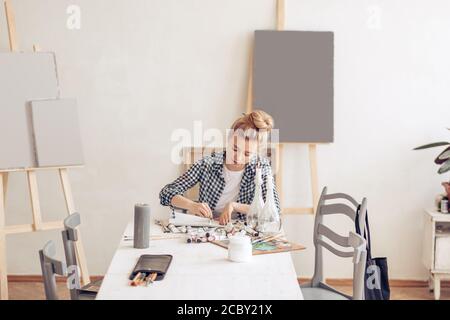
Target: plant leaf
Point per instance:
(432, 145)
(443, 156)
(445, 167)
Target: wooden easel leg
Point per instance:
(314, 178)
(280, 14)
(34, 198)
(249, 102)
(279, 172)
(10, 19)
(5, 176)
(81, 257)
(3, 267)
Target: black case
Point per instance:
(150, 263)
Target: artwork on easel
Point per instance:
(56, 132)
(45, 133)
(292, 78)
(23, 76)
(293, 81)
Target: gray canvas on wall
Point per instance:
(56, 132)
(23, 77)
(293, 81)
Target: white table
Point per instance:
(200, 271)
(436, 249)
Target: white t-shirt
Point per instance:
(231, 190)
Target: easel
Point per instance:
(38, 224)
(312, 147)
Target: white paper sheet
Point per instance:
(185, 219)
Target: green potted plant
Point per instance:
(443, 160)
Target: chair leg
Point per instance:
(48, 278)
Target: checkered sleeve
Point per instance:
(181, 184)
(266, 172)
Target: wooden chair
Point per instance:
(192, 154)
(324, 237)
(50, 268)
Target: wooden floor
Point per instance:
(407, 293)
(35, 291)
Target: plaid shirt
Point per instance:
(209, 173)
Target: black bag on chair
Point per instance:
(376, 279)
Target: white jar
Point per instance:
(240, 248)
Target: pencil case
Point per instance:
(151, 263)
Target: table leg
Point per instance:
(431, 283)
(437, 287)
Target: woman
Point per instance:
(227, 178)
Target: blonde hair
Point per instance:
(253, 123)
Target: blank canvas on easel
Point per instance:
(56, 132)
(23, 77)
(293, 81)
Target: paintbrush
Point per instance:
(261, 238)
(135, 280)
(148, 279)
(268, 238)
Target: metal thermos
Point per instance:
(444, 206)
(141, 225)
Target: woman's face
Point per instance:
(240, 150)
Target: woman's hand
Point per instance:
(225, 217)
(200, 209)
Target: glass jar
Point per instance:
(269, 221)
(257, 204)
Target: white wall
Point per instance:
(141, 69)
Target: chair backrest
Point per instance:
(324, 237)
(70, 237)
(50, 267)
